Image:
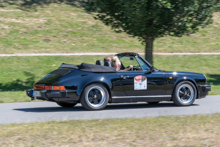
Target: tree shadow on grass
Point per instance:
(19, 85)
(35, 3)
(213, 79)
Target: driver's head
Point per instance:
(116, 63)
(108, 59)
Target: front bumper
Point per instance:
(204, 90)
(49, 95)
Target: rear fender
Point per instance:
(97, 82)
(89, 81)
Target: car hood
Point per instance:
(182, 73)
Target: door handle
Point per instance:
(124, 76)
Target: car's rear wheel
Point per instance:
(184, 94)
(95, 97)
(65, 104)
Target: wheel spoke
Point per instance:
(182, 97)
(187, 96)
(91, 93)
(99, 97)
(95, 101)
(184, 89)
(181, 93)
(96, 92)
(187, 90)
(90, 99)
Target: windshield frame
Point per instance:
(140, 58)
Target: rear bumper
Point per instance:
(204, 90)
(49, 95)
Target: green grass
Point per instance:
(19, 73)
(64, 28)
(13, 97)
(198, 130)
(206, 40)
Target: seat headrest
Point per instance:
(107, 63)
(99, 62)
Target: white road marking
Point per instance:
(93, 54)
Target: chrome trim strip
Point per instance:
(141, 96)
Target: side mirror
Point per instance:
(152, 69)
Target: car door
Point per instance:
(142, 81)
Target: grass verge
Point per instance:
(64, 28)
(13, 97)
(21, 72)
(197, 130)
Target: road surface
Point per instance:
(49, 111)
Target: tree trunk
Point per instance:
(149, 49)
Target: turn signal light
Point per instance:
(49, 87)
(58, 88)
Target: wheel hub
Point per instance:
(185, 93)
(96, 96)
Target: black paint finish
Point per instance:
(160, 84)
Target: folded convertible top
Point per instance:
(89, 67)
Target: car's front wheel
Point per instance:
(65, 104)
(95, 97)
(184, 94)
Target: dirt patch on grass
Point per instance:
(216, 17)
(4, 10)
(4, 26)
(25, 21)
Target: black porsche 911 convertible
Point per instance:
(94, 86)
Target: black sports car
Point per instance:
(94, 86)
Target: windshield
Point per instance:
(138, 63)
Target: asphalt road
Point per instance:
(49, 111)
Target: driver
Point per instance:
(117, 64)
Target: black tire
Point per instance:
(66, 105)
(152, 103)
(184, 94)
(95, 97)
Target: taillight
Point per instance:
(38, 87)
(49, 87)
(58, 88)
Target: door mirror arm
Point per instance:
(152, 69)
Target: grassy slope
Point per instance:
(21, 72)
(161, 131)
(62, 28)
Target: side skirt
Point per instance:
(127, 99)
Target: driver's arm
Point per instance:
(129, 67)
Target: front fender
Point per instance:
(185, 78)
